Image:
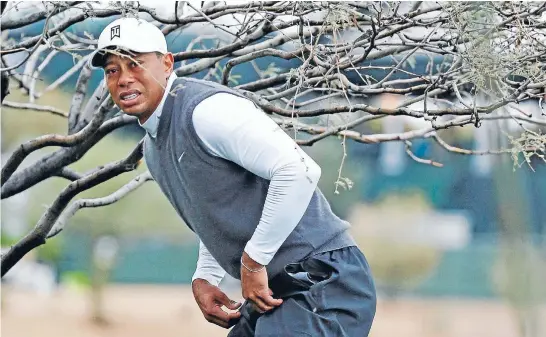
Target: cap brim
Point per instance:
(98, 60)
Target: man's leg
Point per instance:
(342, 305)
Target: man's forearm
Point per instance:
(290, 191)
(207, 267)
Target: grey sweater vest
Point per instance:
(219, 200)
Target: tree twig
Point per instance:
(38, 235)
(420, 160)
(49, 164)
(35, 107)
(68, 174)
(61, 222)
(27, 148)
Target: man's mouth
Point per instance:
(128, 97)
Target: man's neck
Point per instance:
(143, 117)
(150, 120)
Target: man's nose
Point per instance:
(125, 78)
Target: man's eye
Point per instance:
(110, 71)
(134, 64)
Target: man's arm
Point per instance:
(208, 296)
(235, 129)
(207, 267)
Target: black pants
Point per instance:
(328, 294)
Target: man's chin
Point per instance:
(133, 111)
(139, 113)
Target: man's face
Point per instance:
(137, 82)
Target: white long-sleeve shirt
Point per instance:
(233, 128)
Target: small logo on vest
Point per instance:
(115, 32)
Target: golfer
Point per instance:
(249, 193)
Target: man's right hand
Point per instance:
(210, 300)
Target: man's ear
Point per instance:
(168, 63)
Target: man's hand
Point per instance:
(255, 286)
(210, 300)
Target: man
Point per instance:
(248, 192)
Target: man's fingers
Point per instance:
(233, 315)
(217, 321)
(260, 305)
(218, 313)
(270, 301)
(264, 301)
(230, 304)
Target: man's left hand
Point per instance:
(255, 285)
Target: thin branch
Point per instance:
(51, 163)
(4, 85)
(66, 75)
(68, 174)
(78, 98)
(69, 21)
(61, 222)
(35, 75)
(257, 54)
(34, 49)
(35, 107)
(27, 148)
(420, 160)
(337, 129)
(375, 138)
(197, 66)
(216, 12)
(19, 21)
(210, 20)
(268, 107)
(408, 55)
(458, 150)
(85, 116)
(38, 235)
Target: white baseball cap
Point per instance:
(130, 34)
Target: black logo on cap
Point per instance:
(114, 32)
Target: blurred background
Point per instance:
(458, 250)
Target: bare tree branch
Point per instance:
(35, 107)
(5, 85)
(444, 65)
(38, 235)
(420, 160)
(49, 164)
(458, 150)
(68, 174)
(81, 63)
(78, 98)
(51, 140)
(59, 7)
(61, 222)
(338, 129)
(254, 55)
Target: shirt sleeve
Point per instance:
(207, 267)
(233, 128)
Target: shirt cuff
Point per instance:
(212, 279)
(255, 254)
